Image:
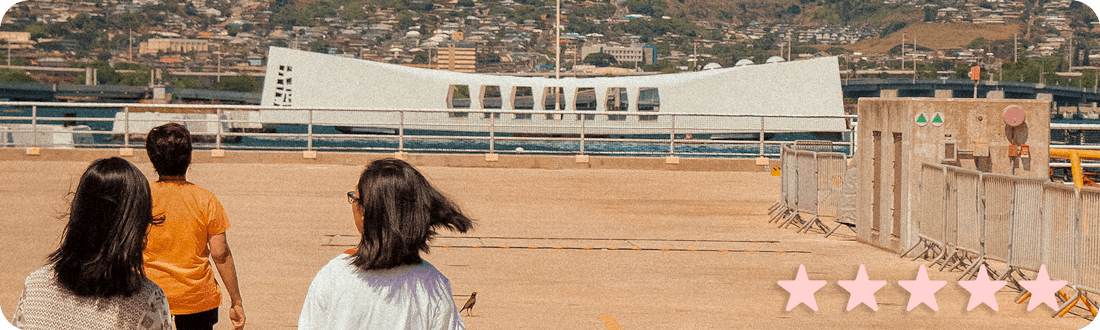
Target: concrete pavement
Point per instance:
(526, 255)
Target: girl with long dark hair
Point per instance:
(383, 283)
(95, 279)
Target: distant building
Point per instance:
(16, 40)
(174, 45)
(640, 54)
(456, 56)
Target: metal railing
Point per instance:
(968, 218)
(115, 125)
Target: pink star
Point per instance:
(982, 290)
(1042, 289)
(802, 290)
(862, 290)
(922, 290)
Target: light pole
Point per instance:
(557, 42)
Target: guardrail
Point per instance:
(117, 125)
(812, 182)
(968, 219)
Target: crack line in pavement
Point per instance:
(480, 238)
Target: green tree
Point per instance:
(646, 7)
(36, 31)
(319, 46)
(600, 59)
(17, 76)
(238, 84)
(186, 82)
(420, 58)
(979, 42)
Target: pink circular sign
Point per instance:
(1013, 115)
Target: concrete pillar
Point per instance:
(995, 95)
(944, 93)
(88, 76)
(888, 93)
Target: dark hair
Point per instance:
(400, 213)
(169, 148)
(101, 248)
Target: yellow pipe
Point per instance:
(1075, 156)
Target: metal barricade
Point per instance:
(1061, 208)
(932, 199)
(1088, 265)
(788, 178)
(968, 193)
(846, 205)
(1027, 245)
(780, 206)
(805, 199)
(807, 182)
(999, 196)
(829, 181)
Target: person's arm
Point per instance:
(223, 261)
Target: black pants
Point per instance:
(198, 321)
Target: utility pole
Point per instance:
(131, 45)
(1015, 47)
(903, 51)
(914, 59)
(557, 42)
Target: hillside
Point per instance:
(936, 36)
(837, 12)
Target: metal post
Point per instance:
(492, 134)
(126, 127)
(672, 138)
(34, 126)
(309, 142)
(761, 136)
(401, 133)
(218, 138)
(582, 135)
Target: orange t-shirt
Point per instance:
(176, 254)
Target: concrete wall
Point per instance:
(892, 146)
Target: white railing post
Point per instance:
(126, 127)
(672, 138)
(309, 141)
(492, 133)
(218, 136)
(34, 126)
(582, 133)
(761, 137)
(401, 132)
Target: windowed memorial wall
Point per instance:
(617, 100)
(586, 101)
(490, 99)
(523, 99)
(553, 99)
(649, 100)
(458, 97)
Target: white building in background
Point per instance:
(299, 80)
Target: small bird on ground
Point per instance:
(469, 304)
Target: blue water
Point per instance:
(415, 141)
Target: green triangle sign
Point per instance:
(937, 120)
(921, 119)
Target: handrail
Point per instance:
(582, 129)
